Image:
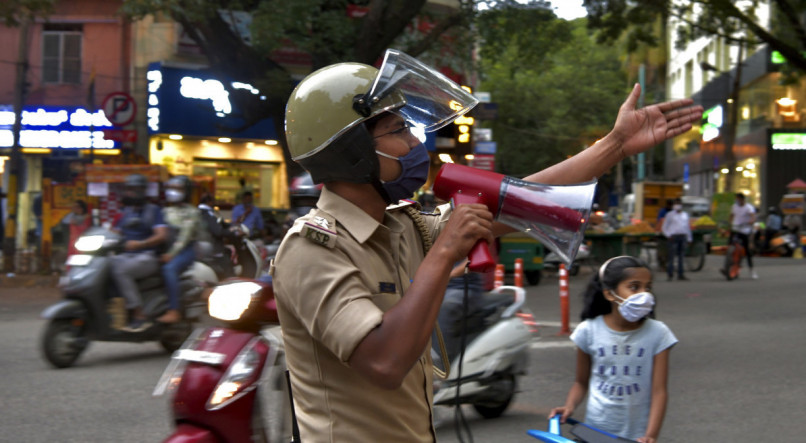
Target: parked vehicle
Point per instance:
(93, 310)
(498, 340)
(552, 260)
(227, 383)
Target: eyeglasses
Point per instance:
(405, 130)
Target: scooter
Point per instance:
(496, 354)
(583, 432)
(92, 308)
(225, 379)
(552, 260)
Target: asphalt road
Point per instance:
(736, 375)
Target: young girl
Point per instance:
(622, 355)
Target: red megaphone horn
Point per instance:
(555, 215)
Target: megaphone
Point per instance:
(556, 215)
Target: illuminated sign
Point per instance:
(712, 121)
(782, 141)
(55, 127)
(195, 102)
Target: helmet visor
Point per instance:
(432, 100)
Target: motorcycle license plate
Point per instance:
(208, 358)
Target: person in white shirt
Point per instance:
(677, 231)
(742, 217)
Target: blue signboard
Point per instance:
(67, 127)
(195, 102)
(485, 148)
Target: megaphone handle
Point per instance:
(480, 258)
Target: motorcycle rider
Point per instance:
(143, 230)
(185, 223)
(359, 285)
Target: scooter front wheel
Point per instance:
(494, 409)
(63, 341)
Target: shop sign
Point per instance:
(485, 147)
(65, 194)
(195, 102)
(484, 161)
(121, 135)
(792, 204)
(712, 122)
(55, 127)
(788, 141)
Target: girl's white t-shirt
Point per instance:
(620, 389)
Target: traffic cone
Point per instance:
(499, 276)
(565, 328)
(519, 272)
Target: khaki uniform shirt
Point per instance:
(336, 273)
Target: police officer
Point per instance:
(359, 280)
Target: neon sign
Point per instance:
(56, 127)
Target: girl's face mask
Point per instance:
(636, 307)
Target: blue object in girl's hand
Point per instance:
(554, 425)
(553, 434)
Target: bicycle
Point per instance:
(733, 257)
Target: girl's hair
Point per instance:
(610, 274)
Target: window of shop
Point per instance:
(746, 178)
(61, 54)
(232, 177)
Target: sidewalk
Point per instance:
(12, 280)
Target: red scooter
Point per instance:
(227, 383)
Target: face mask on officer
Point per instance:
(414, 173)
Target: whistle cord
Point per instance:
(459, 419)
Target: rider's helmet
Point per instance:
(134, 190)
(178, 189)
(326, 113)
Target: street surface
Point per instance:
(736, 375)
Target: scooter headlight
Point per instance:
(89, 243)
(228, 302)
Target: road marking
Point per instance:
(552, 344)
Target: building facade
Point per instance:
(746, 100)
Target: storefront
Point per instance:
(56, 142)
(189, 113)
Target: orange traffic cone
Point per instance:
(519, 272)
(499, 276)
(565, 329)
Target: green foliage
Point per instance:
(731, 20)
(557, 90)
(13, 12)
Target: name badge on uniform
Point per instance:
(386, 288)
(319, 234)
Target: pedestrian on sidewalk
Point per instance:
(622, 355)
(677, 230)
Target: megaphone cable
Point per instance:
(459, 419)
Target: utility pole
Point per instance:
(20, 87)
(641, 172)
(733, 120)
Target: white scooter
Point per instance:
(495, 356)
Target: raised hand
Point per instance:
(640, 129)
